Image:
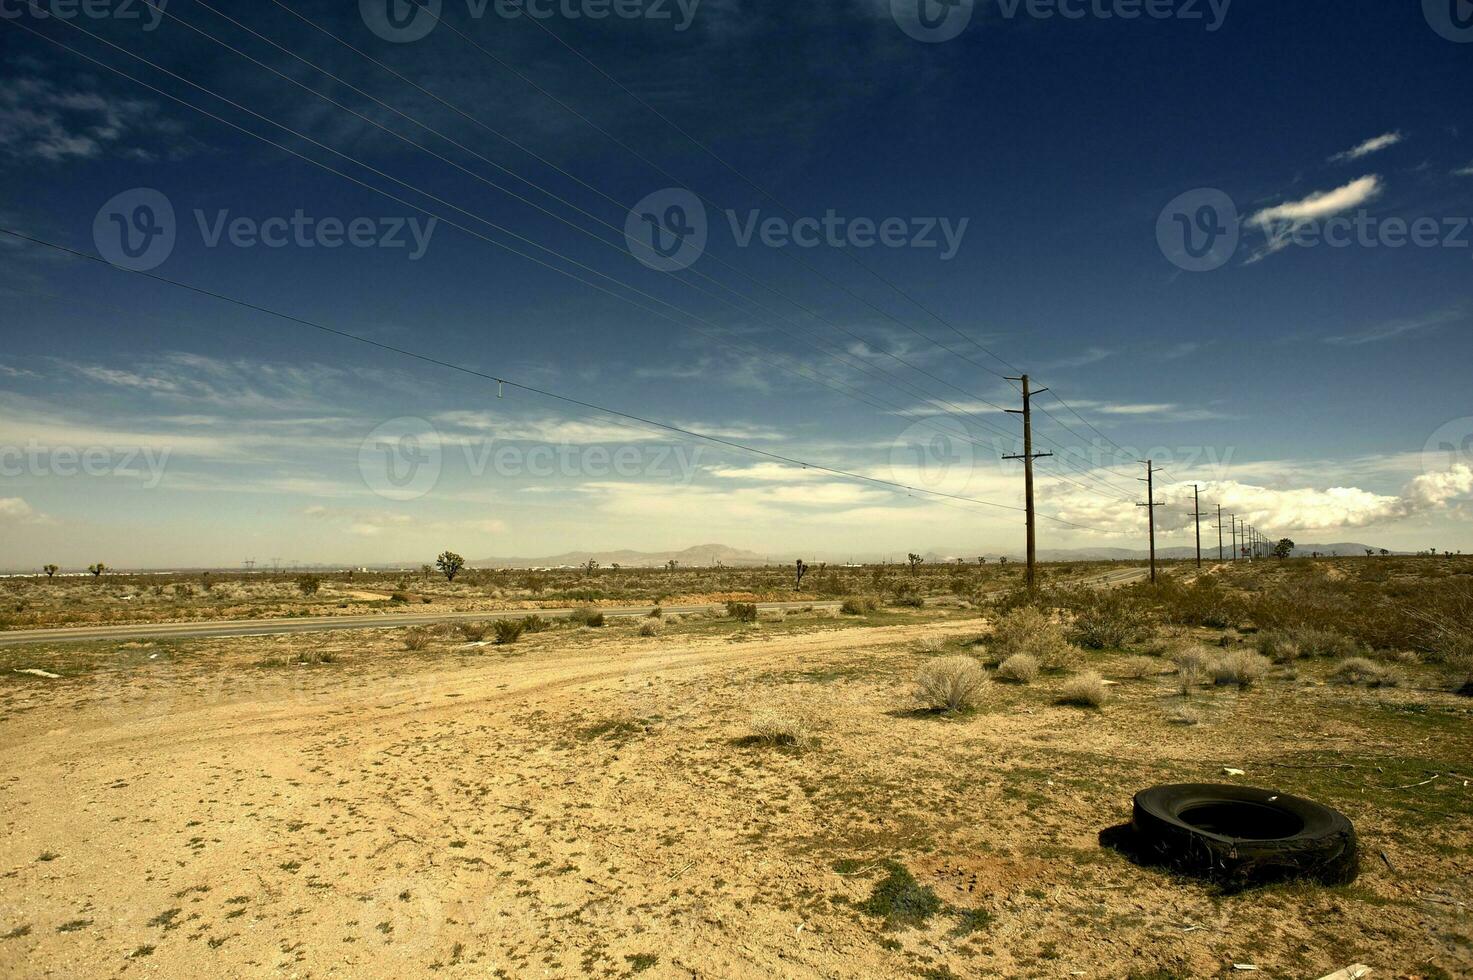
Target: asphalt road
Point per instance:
(313, 624)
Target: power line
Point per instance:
(532, 389)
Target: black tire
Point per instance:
(1241, 835)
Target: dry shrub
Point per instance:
(474, 632)
(1361, 670)
(1191, 667)
(1110, 619)
(1027, 630)
(535, 624)
(930, 644)
(1241, 667)
(1139, 667)
(656, 613)
(1324, 643)
(1020, 668)
(1185, 715)
(771, 727)
(416, 638)
(587, 616)
(951, 684)
(742, 612)
(1087, 690)
(858, 606)
(1279, 646)
(649, 628)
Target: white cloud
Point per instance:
(1373, 145)
(1464, 171)
(15, 509)
(41, 121)
(1395, 328)
(1280, 222)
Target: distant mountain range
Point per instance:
(706, 555)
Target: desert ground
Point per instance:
(716, 795)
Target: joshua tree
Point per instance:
(801, 570)
(1002, 559)
(424, 571)
(915, 561)
(450, 563)
(981, 559)
(97, 569)
(1385, 552)
(672, 565)
(590, 566)
(1284, 548)
(1370, 552)
(50, 570)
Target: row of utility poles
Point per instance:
(1252, 541)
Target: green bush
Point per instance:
(858, 606)
(536, 624)
(1029, 630)
(742, 612)
(1111, 619)
(508, 630)
(309, 584)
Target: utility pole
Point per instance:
(1197, 518)
(1150, 505)
(1028, 457)
(1233, 523)
(1218, 525)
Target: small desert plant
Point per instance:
(1027, 630)
(856, 606)
(742, 612)
(1020, 668)
(1087, 690)
(951, 684)
(649, 628)
(535, 624)
(1278, 646)
(1110, 620)
(1324, 643)
(1185, 715)
(508, 630)
(656, 613)
(309, 584)
(1139, 667)
(416, 638)
(587, 616)
(1241, 667)
(771, 727)
(930, 644)
(1360, 670)
(1191, 667)
(474, 632)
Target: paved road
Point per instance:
(313, 624)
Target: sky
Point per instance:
(1231, 237)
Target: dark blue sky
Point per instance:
(1320, 373)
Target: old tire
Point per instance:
(1241, 835)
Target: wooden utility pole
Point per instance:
(1218, 525)
(1233, 523)
(1150, 505)
(1197, 517)
(1028, 457)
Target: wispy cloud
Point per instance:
(1392, 329)
(1373, 145)
(43, 121)
(1280, 222)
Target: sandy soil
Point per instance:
(585, 804)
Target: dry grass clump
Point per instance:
(587, 616)
(649, 628)
(474, 632)
(1241, 667)
(1138, 667)
(1362, 670)
(1279, 646)
(858, 605)
(775, 728)
(1185, 715)
(416, 638)
(930, 644)
(952, 684)
(1324, 643)
(1191, 667)
(509, 630)
(1020, 668)
(1086, 690)
(1027, 630)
